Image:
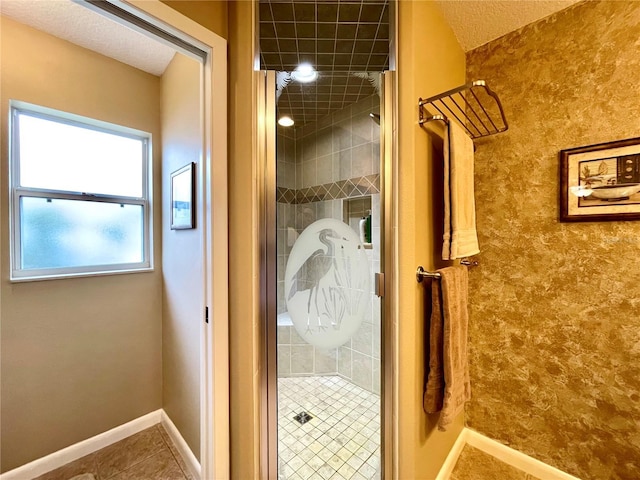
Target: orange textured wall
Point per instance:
(555, 322)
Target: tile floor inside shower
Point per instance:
(340, 442)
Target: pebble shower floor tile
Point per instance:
(340, 442)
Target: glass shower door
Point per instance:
(328, 332)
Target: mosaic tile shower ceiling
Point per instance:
(555, 308)
(330, 93)
(332, 35)
(346, 41)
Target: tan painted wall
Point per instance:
(555, 325)
(234, 22)
(432, 61)
(429, 61)
(243, 247)
(422, 449)
(211, 14)
(79, 356)
(182, 268)
(181, 305)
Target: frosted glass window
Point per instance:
(71, 233)
(60, 156)
(80, 195)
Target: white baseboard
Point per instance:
(503, 453)
(183, 448)
(80, 449)
(452, 458)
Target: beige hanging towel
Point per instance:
(460, 238)
(448, 386)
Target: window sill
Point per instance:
(62, 276)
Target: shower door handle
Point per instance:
(379, 284)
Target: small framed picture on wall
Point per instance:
(183, 210)
(600, 182)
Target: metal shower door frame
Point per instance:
(266, 184)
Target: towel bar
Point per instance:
(421, 273)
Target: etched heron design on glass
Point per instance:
(327, 283)
(313, 270)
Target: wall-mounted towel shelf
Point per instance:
(473, 105)
(421, 273)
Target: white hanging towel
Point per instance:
(460, 237)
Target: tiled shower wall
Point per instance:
(318, 167)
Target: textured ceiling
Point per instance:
(81, 26)
(353, 36)
(476, 22)
(344, 37)
(333, 35)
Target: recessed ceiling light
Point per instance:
(285, 121)
(304, 73)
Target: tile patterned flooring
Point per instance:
(147, 455)
(474, 464)
(341, 442)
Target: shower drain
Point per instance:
(302, 418)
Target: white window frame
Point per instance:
(17, 191)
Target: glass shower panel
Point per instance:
(329, 320)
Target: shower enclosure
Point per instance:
(324, 322)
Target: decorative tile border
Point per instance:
(353, 187)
